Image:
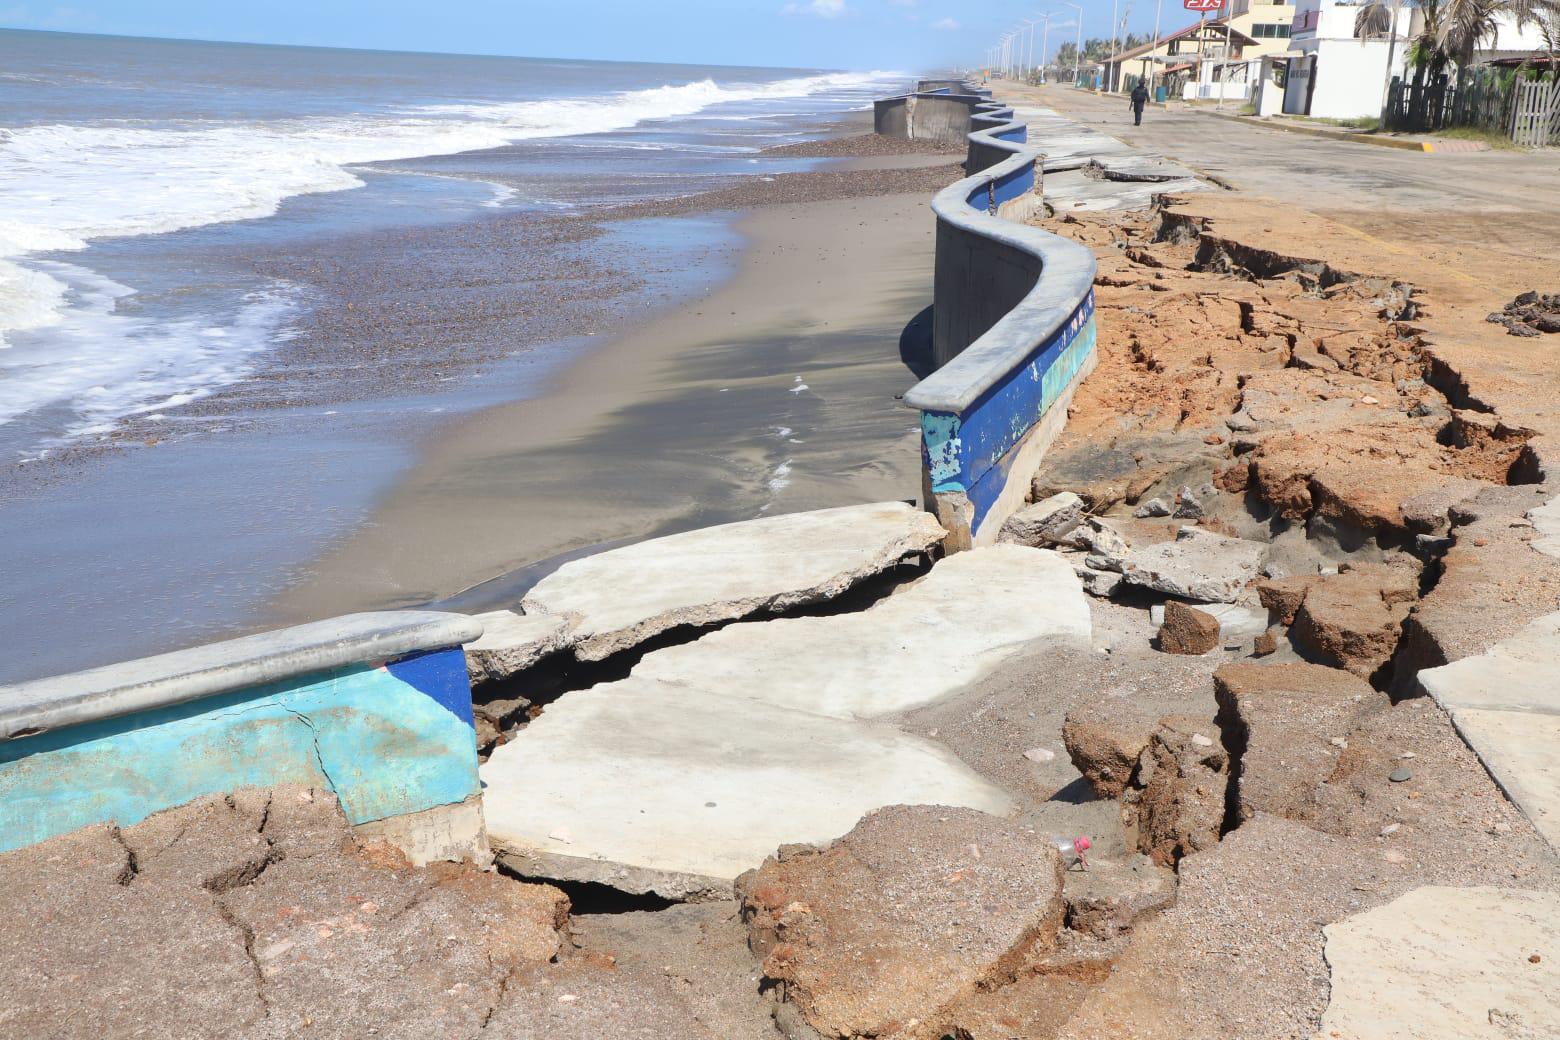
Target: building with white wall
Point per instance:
(1267, 22)
(1335, 74)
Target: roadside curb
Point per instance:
(1362, 138)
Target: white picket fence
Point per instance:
(1535, 114)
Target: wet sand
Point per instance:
(775, 393)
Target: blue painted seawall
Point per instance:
(1013, 333)
(374, 708)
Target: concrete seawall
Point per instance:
(374, 707)
(1013, 333)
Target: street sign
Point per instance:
(1203, 5)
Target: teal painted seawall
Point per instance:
(388, 739)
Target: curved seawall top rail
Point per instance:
(215, 668)
(1013, 334)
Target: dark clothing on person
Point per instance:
(1139, 99)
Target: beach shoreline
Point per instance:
(773, 393)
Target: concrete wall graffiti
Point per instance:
(374, 707)
(1013, 334)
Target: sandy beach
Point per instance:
(775, 393)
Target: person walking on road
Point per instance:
(1139, 99)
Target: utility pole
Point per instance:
(1115, 35)
(1045, 47)
(1078, 46)
(1159, 9)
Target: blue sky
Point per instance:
(854, 34)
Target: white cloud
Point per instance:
(946, 24)
(817, 8)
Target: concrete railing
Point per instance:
(1012, 334)
(374, 707)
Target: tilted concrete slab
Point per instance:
(1505, 703)
(973, 611)
(1447, 964)
(512, 642)
(649, 787)
(711, 755)
(623, 597)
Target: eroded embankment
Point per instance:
(1299, 403)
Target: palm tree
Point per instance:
(1374, 21)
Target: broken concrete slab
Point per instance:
(1287, 725)
(1046, 522)
(1199, 565)
(973, 611)
(1353, 619)
(1445, 963)
(622, 597)
(513, 642)
(257, 914)
(712, 754)
(651, 788)
(1506, 704)
(884, 931)
(1109, 897)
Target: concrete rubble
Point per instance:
(620, 598)
(1047, 522)
(711, 754)
(1199, 565)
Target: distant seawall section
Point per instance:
(375, 708)
(1013, 329)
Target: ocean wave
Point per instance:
(121, 364)
(64, 185)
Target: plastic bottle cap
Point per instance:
(1082, 844)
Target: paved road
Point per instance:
(1505, 200)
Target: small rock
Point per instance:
(1101, 583)
(1202, 741)
(1367, 399)
(1186, 506)
(1265, 644)
(1407, 754)
(1338, 742)
(1039, 754)
(1047, 522)
(1390, 828)
(1400, 774)
(1187, 630)
(1153, 507)
(1101, 539)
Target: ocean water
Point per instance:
(158, 485)
(105, 139)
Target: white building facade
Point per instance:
(1336, 74)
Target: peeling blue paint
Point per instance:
(387, 740)
(971, 452)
